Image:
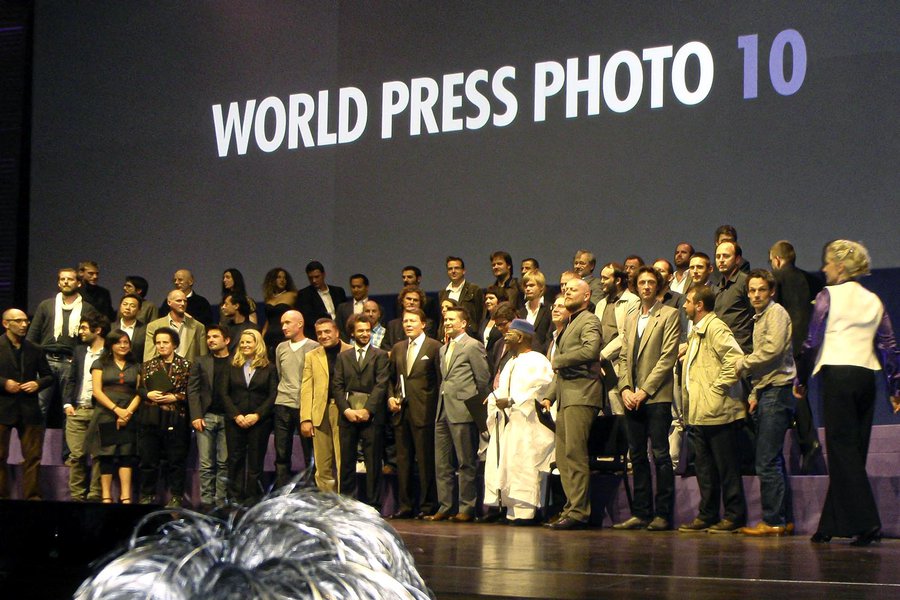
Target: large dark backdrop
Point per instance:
(125, 168)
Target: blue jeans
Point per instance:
(212, 454)
(773, 416)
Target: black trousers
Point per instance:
(286, 425)
(246, 453)
(651, 421)
(415, 448)
(371, 436)
(717, 462)
(164, 448)
(848, 402)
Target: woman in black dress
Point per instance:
(112, 437)
(280, 294)
(249, 399)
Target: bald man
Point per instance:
(578, 392)
(24, 371)
(197, 306)
(191, 332)
(290, 357)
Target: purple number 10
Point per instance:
(785, 87)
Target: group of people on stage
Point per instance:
(510, 375)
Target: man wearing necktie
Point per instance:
(413, 404)
(464, 375)
(361, 376)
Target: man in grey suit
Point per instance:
(191, 333)
(577, 387)
(464, 375)
(646, 382)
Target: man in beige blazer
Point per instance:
(646, 383)
(319, 414)
(192, 333)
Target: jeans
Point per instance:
(651, 421)
(50, 399)
(212, 454)
(80, 485)
(773, 416)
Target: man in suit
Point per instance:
(501, 267)
(78, 404)
(191, 332)
(23, 373)
(361, 377)
(91, 290)
(796, 291)
(290, 358)
(464, 376)
(318, 300)
(467, 294)
(732, 303)
(578, 390)
(206, 384)
(196, 305)
(534, 310)
(583, 265)
(135, 284)
(413, 405)
(646, 383)
(612, 310)
(410, 296)
(359, 293)
(319, 415)
(500, 353)
(131, 323)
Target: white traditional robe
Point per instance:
(520, 448)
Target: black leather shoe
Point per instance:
(808, 459)
(522, 522)
(867, 537)
(422, 515)
(492, 516)
(820, 538)
(402, 514)
(569, 524)
(553, 520)
(632, 523)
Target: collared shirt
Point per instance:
(248, 372)
(530, 316)
(360, 352)
(412, 353)
(642, 321)
(378, 333)
(325, 295)
(772, 361)
(680, 286)
(455, 292)
(182, 341)
(87, 385)
(127, 329)
(359, 305)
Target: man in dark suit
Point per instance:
(534, 309)
(318, 300)
(464, 376)
(78, 404)
(467, 294)
(578, 390)
(206, 410)
(501, 267)
(500, 353)
(93, 293)
(361, 377)
(413, 405)
(796, 291)
(359, 293)
(410, 296)
(130, 322)
(196, 306)
(646, 383)
(24, 371)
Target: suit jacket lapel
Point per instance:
(648, 330)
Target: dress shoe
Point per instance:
(462, 518)
(402, 514)
(568, 524)
(422, 515)
(808, 459)
(632, 523)
(789, 528)
(820, 538)
(724, 526)
(694, 526)
(764, 529)
(553, 519)
(438, 516)
(523, 522)
(867, 537)
(659, 524)
(491, 516)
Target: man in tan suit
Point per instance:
(646, 383)
(576, 386)
(318, 410)
(191, 333)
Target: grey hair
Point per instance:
(297, 543)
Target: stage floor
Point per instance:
(497, 561)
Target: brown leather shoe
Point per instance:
(462, 518)
(694, 526)
(763, 528)
(439, 516)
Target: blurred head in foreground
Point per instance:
(296, 544)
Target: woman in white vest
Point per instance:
(850, 343)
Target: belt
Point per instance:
(58, 356)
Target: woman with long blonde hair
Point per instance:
(249, 399)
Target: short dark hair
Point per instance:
(534, 260)
(497, 291)
(660, 283)
(176, 339)
(464, 314)
(619, 274)
(504, 255)
(505, 310)
(634, 257)
(737, 247)
(703, 294)
(224, 329)
(411, 289)
(353, 320)
(140, 300)
(668, 263)
(415, 311)
(96, 321)
(139, 283)
(763, 274)
(784, 250)
(359, 276)
(314, 265)
(243, 303)
(461, 261)
(412, 268)
(702, 255)
(327, 321)
(726, 229)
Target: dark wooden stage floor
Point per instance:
(497, 561)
